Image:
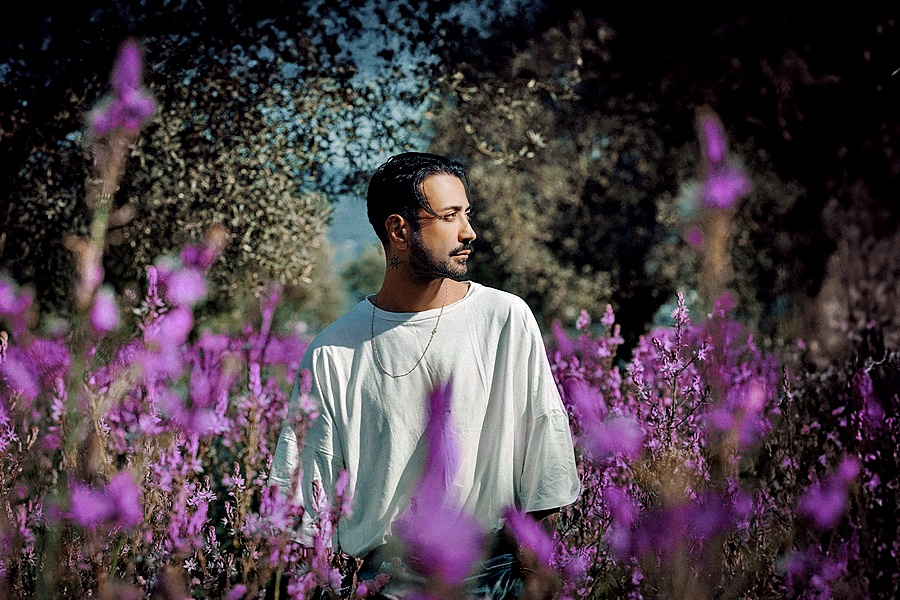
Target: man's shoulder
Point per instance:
(345, 332)
(495, 297)
(498, 302)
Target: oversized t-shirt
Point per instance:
(507, 419)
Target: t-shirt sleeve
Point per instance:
(318, 458)
(549, 476)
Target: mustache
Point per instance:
(467, 247)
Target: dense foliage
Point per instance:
(261, 124)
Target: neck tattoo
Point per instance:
(430, 339)
(395, 261)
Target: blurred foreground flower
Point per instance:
(530, 535)
(129, 106)
(826, 501)
(724, 181)
(118, 504)
(105, 313)
(442, 541)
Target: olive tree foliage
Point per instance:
(586, 170)
(259, 123)
(564, 190)
(363, 276)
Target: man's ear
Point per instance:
(399, 232)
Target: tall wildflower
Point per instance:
(441, 541)
(723, 184)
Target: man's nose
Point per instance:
(467, 234)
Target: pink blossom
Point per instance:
(441, 540)
(609, 317)
(584, 321)
(529, 534)
(130, 106)
(117, 505)
(185, 286)
(724, 187)
(825, 502)
(105, 312)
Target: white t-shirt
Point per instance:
(511, 429)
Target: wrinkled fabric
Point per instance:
(512, 431)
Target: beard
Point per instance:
(427, 267)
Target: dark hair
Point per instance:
(396, 187)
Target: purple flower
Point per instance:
(712, 135)
(105, 313)
(622, 510)
(127, 73)
(530, 535)
(724, 187)
(725, 183)
(237, 592)
(609, 317)
(825, 502)
(18, 371)
(742, 411)
(616, 435)
(563, 344)
(586, 399)
(14, 304)
(441, 540)
(185, 287)
(130, 106)
(694, 237)
(117, 505)
(7, 296)
(584, 321)
(174, 327)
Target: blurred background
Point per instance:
(577, 122)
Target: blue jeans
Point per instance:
(495, 578)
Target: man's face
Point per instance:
(441, 245)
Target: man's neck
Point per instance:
(403, 295)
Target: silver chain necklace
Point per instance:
(430, 339)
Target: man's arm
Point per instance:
(547, 519)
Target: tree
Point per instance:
(256, 106)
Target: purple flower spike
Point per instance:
(118, 505)
(713, 136)
(584, 321)
(7, 297)
(616, 435)
(442, 458)
(126, 498)
(724, 187)
(128, 70)
(105, 313)
(442, 541)
(825, 502)
(130, 106)
(530, 535)
(186, 287)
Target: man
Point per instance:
(372, 370)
